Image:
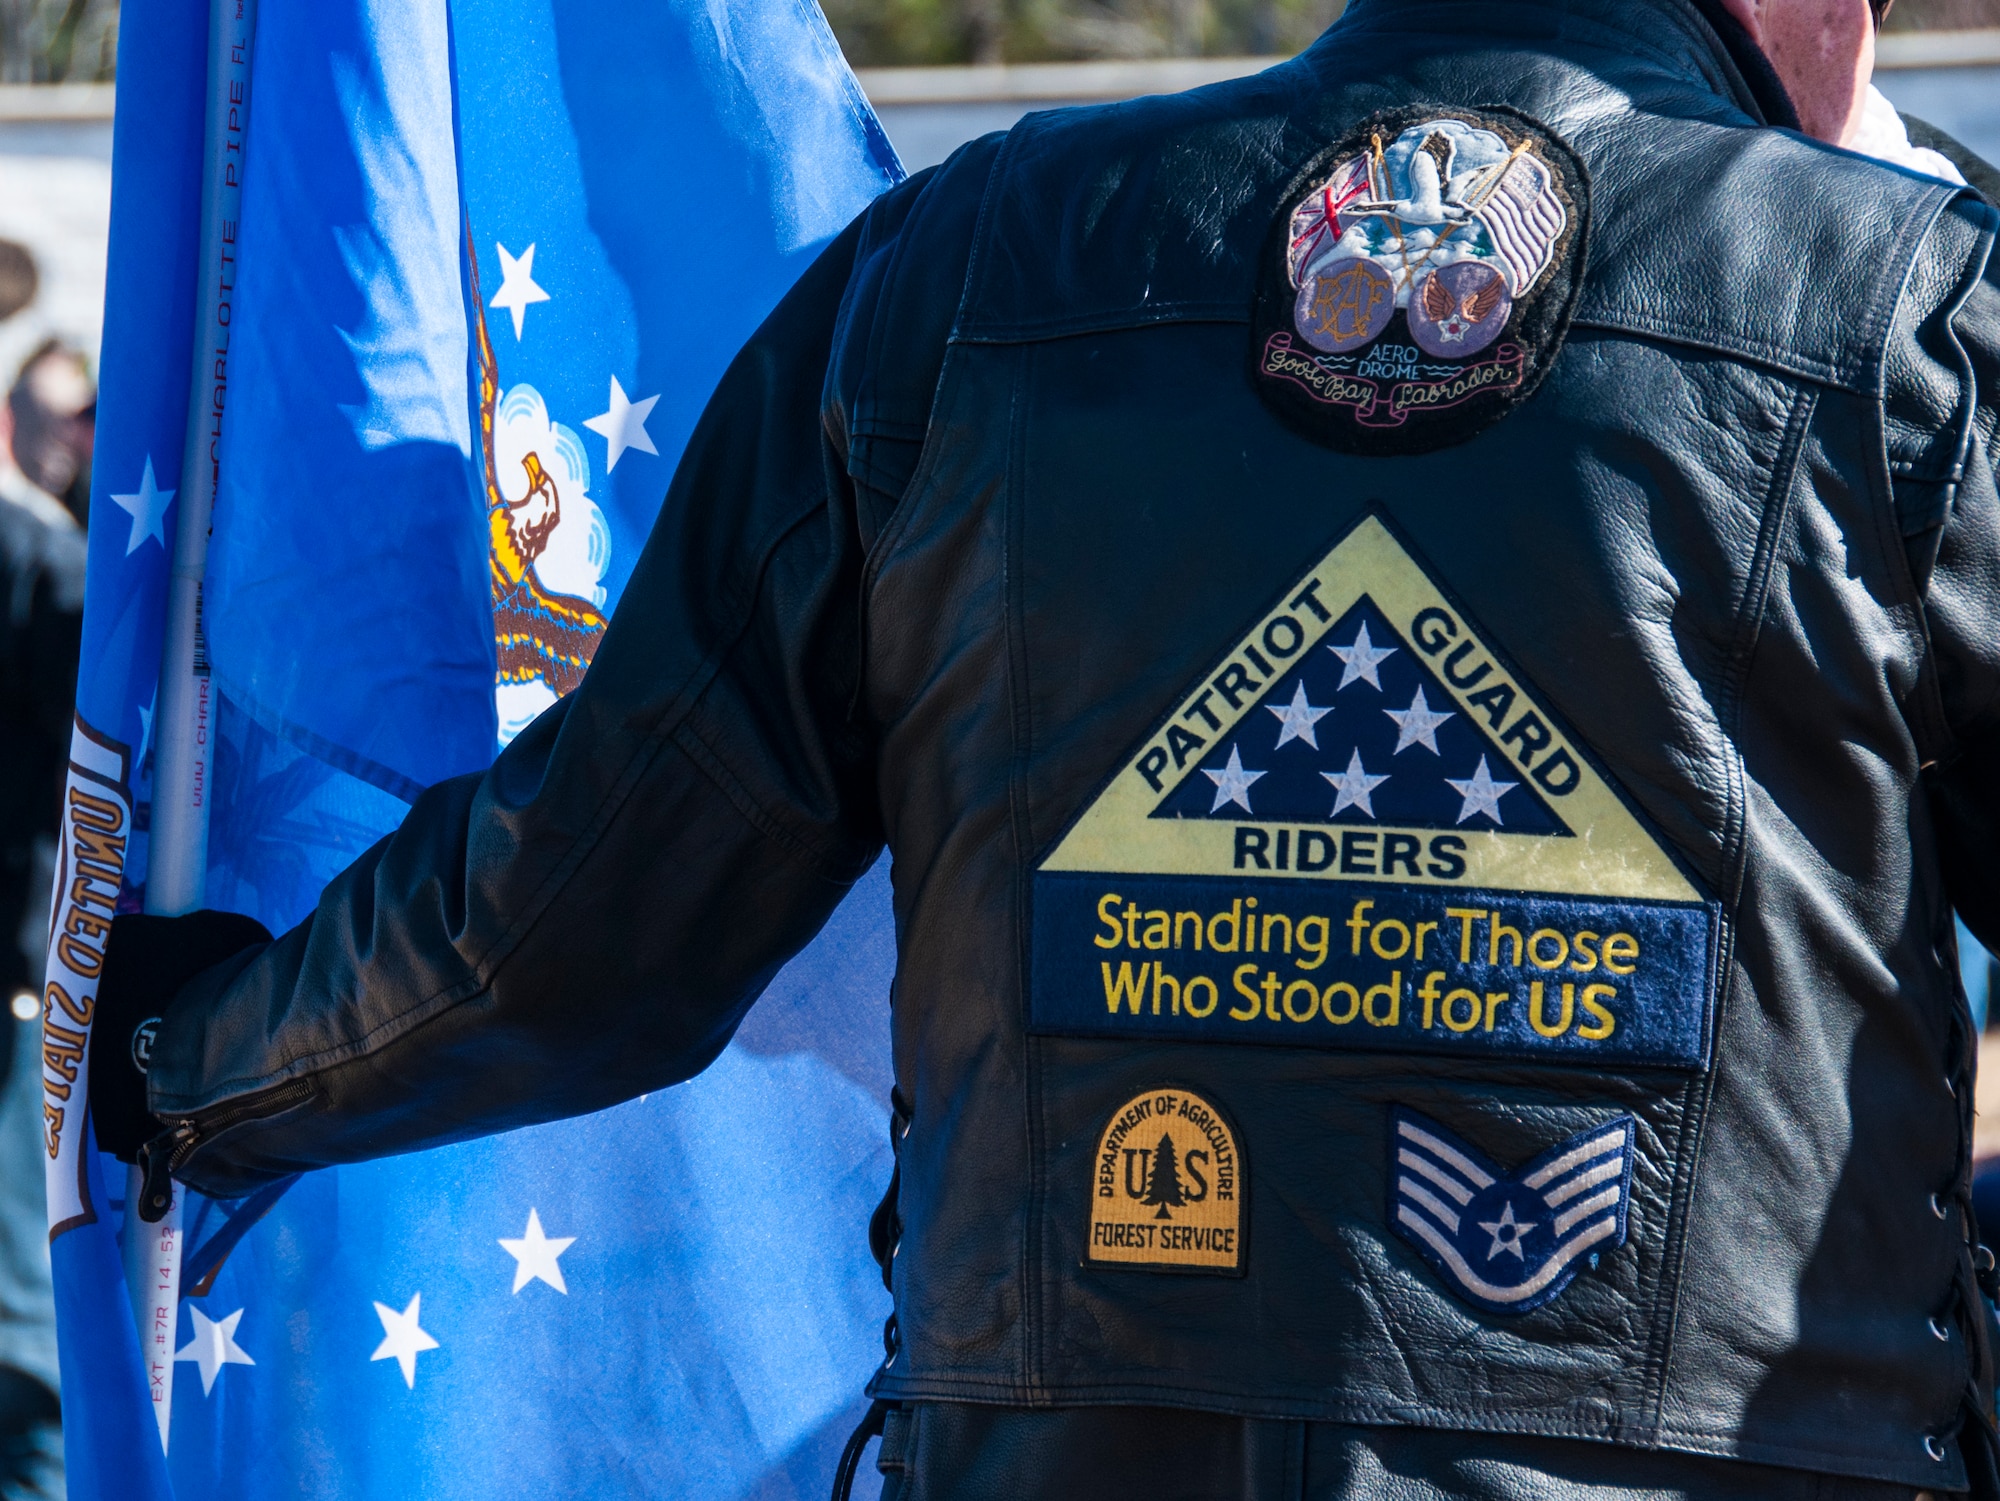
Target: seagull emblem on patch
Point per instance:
(1507, 1242)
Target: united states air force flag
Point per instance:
(486, 264)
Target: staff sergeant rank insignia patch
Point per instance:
(1363, 830)
(1168, 1187)
(1419, 279)
(1509, 1242)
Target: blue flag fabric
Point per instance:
(110, 1438)
(491, 262)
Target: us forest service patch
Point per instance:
(1167, 1187)
(1363, 830)
(1419, 278)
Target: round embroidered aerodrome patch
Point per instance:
(1419, 279)
(1168, 1185)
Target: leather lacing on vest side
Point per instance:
(885, 1238)
(1978, 1277)
(885, 1225)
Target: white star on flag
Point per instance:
(148, 509)
(1354, 785)
(517, 285)
(1361, 656)
(1297, 719)
(403, 1338)
(213, 1346)
(1481, 793)
(623, 424)
(1418, 724)
(146, 727)
(1232, 783)
(535, 1255)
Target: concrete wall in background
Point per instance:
(55, 198)
(1962, 102)
(1951, 79)
(55, 144)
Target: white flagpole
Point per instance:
(184, 721)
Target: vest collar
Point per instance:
(1700, 34)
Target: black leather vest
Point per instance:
(1211, 1087)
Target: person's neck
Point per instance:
(1824, 53)
(1774, 101)
(1703, 33)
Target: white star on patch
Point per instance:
(1507, 1232)
(535, 1255)
(213, 1346)
(1354, 786)
(1418, 724)
(623, 424)
(1481, 793)
(403, 1338)
(517, 285)
(148, 509)
(1297, 719)
(1232, 783)
(1361, 656)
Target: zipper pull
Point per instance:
(156, 1164)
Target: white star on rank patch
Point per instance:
(517, 285)
(1418, 724)
(623, 424)
(1232, 783)
(1361, 656)
(535, 1255)
(1354, 785)
(213, 1346)
(403, 1338)
(1481, 793)
(148, 510)
(1297, 719)
(1507, 1232)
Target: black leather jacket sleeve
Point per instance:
(1946, 386)
(592, 917)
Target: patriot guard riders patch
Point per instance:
(1508, 1242)
(1168, 1190)
(1363, 830)
(1419, 279)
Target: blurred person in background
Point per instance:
(45, 444)
(53, 413)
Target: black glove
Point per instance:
(146, 962)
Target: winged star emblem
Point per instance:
(1455, 314)
(1509, 1241)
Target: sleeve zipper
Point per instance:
(167, 1153)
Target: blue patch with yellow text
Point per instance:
(1414, 969)
(1364, 830)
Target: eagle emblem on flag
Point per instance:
(548, 612)
(1503, 1241)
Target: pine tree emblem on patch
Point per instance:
(1419, 279)
(1168, 1186)
(1363, 829)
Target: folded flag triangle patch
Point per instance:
(1508, 1242)
(1363, 829)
